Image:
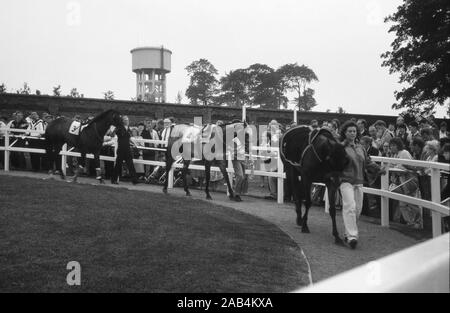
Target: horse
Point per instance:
(84, 138)
(190, 137)
(313, 156)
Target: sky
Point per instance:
(86, 44)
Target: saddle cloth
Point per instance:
(76, 128)
(194, 132)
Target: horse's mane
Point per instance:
(323, 131)
(296, 139)
(101, 116)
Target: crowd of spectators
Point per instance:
(418, 140)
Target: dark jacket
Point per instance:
(361, 168)
(123, 141)
(372, 151)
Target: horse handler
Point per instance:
(123, 154)
(359, 167)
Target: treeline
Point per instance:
(57, 92)
(258, 85)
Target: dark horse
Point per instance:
(192, 141)
(89, 140)
(312, 156)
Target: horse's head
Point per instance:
(338, 157)
(116, 118)
(332, 153)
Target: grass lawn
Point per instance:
(132, 241)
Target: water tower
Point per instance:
(151, 64)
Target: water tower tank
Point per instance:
(151, 64)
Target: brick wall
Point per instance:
(137, 111)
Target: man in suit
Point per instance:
(36, 128)
(362, 126)
(123, 154)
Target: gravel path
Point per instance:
(325, 258)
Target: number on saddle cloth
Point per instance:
(76, 128)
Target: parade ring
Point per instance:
(135, 241)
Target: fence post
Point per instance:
(280, 181)
(170, 177)
(6, 150)
(436, 198)
(385, 200)
(64, 159)
(229, 166)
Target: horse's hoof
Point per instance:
(114, 183)
(208, 197)
(305, 230)
(101, 181)
(352, 243)
(299, 221)
(237, 199)
(338, 241)
(188, 194)
(165, 190)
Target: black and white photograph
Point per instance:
(225, 155)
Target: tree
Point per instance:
(25, 90)
(74, 93)
(306, 101)
(297, 78)
(3, 88)
(109, 95)
(179, 97)
(264, 86)
(234, 87)
(57, 91)
(341, 110)
(420, 54)
(203, 83)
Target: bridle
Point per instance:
(311, 139)
(310, 145)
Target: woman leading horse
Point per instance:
(312, 156)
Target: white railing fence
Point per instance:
(438, 210)
(421, 268)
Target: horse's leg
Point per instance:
(169, 162)
(332, 190)
(184, 171)
(223, 169)
(297, 192)
(98, 170)
(58, 165)
(307, 190)
(50, 157)
(208, 178)
(80, 166)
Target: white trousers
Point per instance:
(352, 200)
